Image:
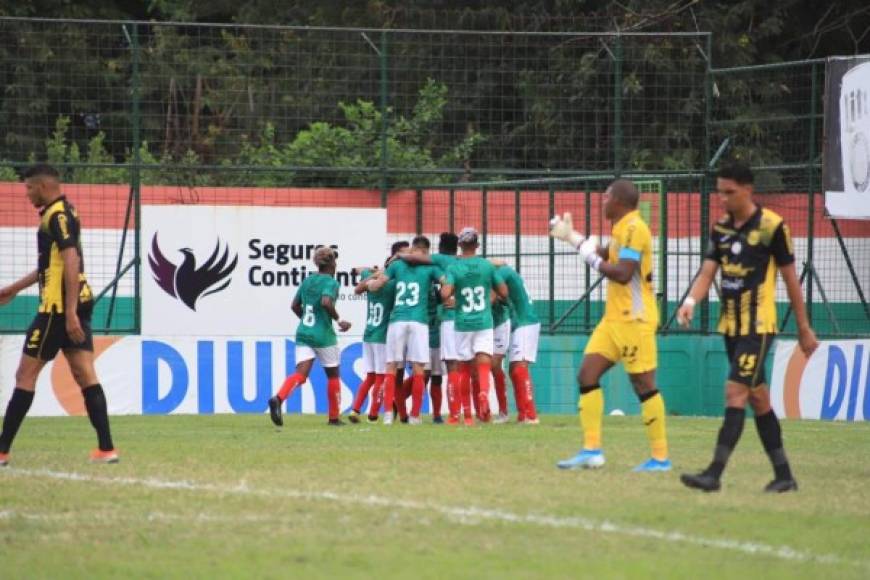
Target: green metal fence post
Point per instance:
(587, 307)
(419, 212)
(385, 118)
(517, 230)
(552, 259)
(811, 187)
(136, 176)
(704, 205)
(451, 210)
(617, 106)
(663, 249)
(484, 220)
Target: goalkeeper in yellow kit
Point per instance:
(627, 331)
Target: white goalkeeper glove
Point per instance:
(589, 251)
(562, 228)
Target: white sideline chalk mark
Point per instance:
(461, 514)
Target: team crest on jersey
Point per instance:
(753, 238)
(736, 248)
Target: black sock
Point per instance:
(16, 410)
(771, 437)
(588, 389)
(643, 397)
(95, 402)
(729, 435)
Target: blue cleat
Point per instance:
(654, 465)
(585, 459)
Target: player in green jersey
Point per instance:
(314, 304)
(379, 306)
(408, 330)
(525, 328)
(471, 281)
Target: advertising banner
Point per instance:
(846, 167)
(233, 270)
(834, 384)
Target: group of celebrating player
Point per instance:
(437, 314)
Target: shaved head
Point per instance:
(624, 191)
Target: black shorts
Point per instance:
(47, 334)
(746, 356)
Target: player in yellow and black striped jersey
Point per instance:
(63, 318)
(749, 245)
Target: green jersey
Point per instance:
(523, 310)
(434, 318)
(413, 283)
(315, 328)
(501, 312)
(473, 279)
(444, 261)
(379, 305)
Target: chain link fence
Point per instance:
(444, 128)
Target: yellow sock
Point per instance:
(591, 407)
(653, 413)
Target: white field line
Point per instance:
(465, 514)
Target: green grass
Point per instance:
(430, 501)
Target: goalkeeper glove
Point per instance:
(562, 228)
(589, 251)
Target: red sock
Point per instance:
(290, 383)
(418, 386)
(519, 395)
(333, 389)
(465, 388)
(435, 393)
(389, 392)
(500, 391)
(475, 391)
(454, 394)
(527, 392)
(363, 391)
(402, 394)
(377, 398)
(483, 370)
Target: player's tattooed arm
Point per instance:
(362, 286)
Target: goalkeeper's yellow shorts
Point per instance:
(632, 342)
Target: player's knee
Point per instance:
(736, 395)
(760, 400)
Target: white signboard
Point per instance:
(233, 270)
(834, 384)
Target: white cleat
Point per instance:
(388, 418)
(415, 421)
(501, 419)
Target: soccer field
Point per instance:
(234, 497)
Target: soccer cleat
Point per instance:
(534, 421)
(388, 418)
(275, 411)
(372, 419)
(781, 486)
(652, 464)
(501, 419)
(100, 456)
(469, 421)
(4, 459)
(353, 417)
(437, 419)
(336, 423)
(703, 481)
(403, 419)
(453, 420)
(585, 459)
(415, 421)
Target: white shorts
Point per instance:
(328, 356)
(374, 357)
(436, 366)
(473, 342)
(448, 341)
(524, 343)
(408, 341)
(501, 338)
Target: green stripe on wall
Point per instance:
(15, 317)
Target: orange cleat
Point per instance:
(469, 421)
(453, 420)
(4, 459)
(99, 456)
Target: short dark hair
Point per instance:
(448, 242)
(737, 171)
(625, 191)
(401, 245)
(40, 170)
(421, 242)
